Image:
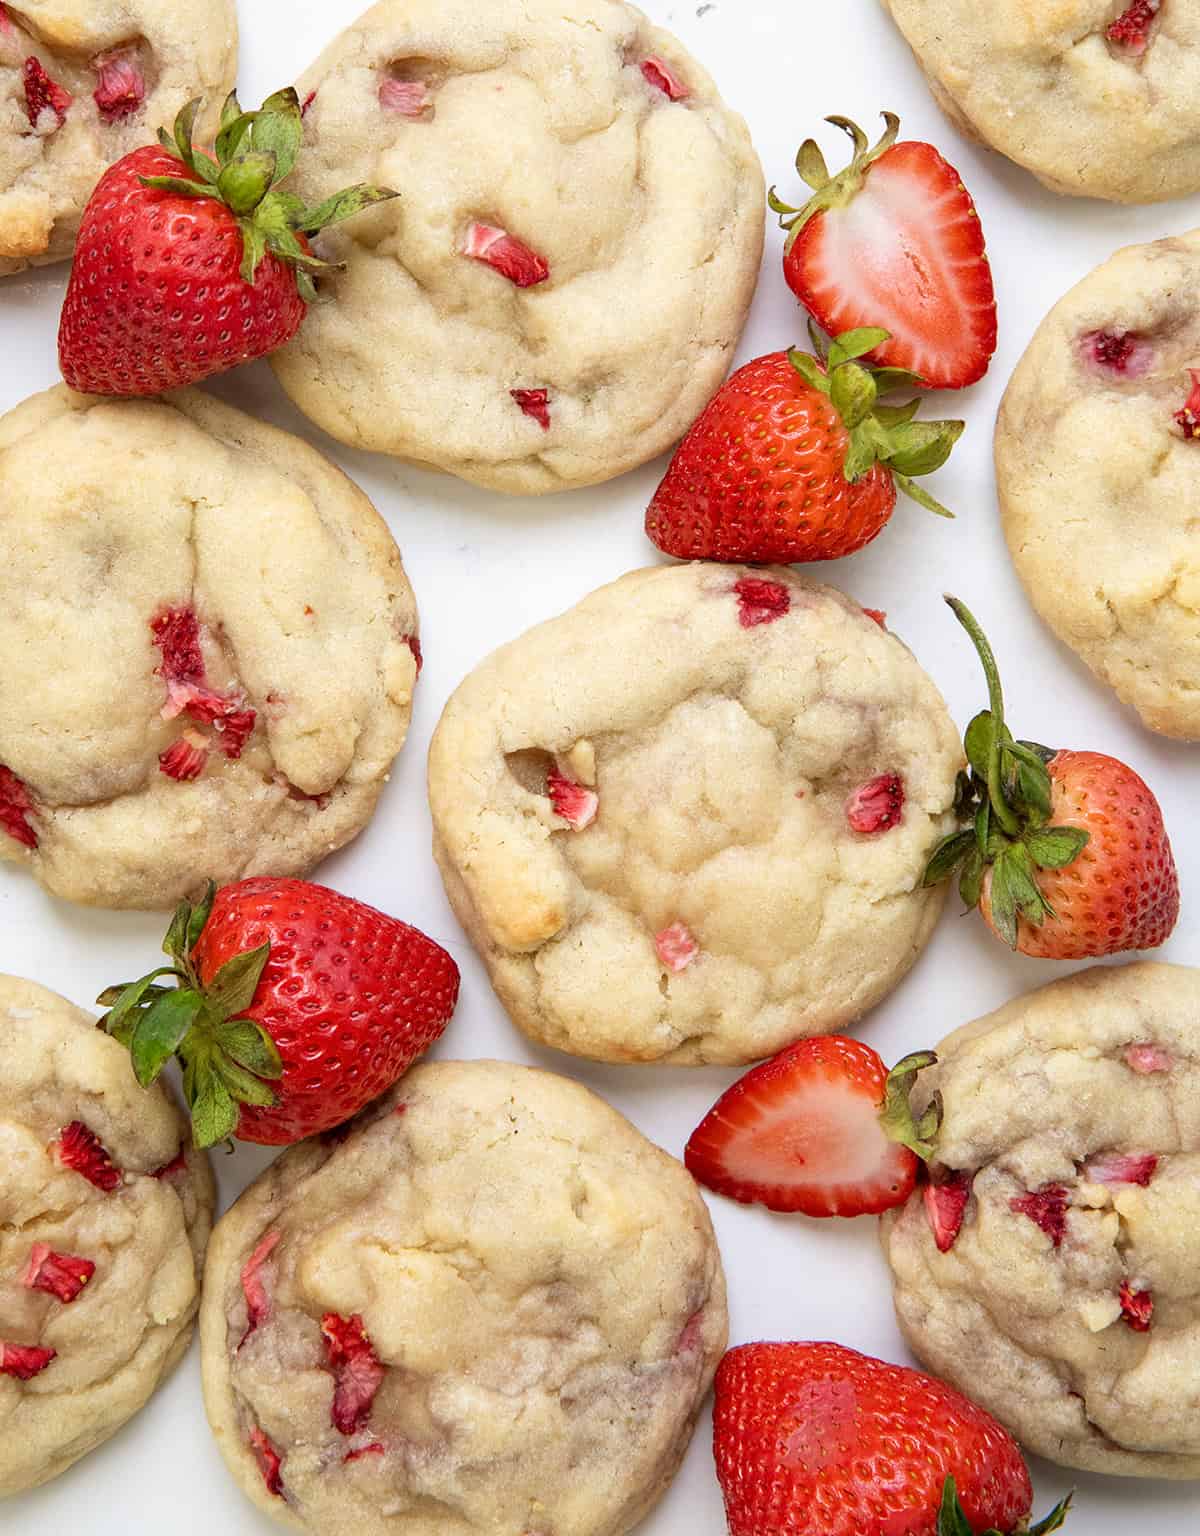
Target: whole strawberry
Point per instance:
(1066, 854)
(823, 1128)
(189, 263)
(894, 240)
(796, 460)
(293, 1006)
(818, 1440)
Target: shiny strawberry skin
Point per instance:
(818, 1440)
(907, 254)
(1122, 891)
(156, 299)
(760, 477)
(350, 996)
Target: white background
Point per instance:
(485, 569)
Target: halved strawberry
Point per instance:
(823, 1128)
(894, 241)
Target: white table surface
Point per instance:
(486, 568)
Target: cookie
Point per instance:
(1097, 471)
(1097, 98)
(105, 1210)
(688, 820)
(559, 289)
(208, 648)
(1066, 1303)
(492, 1307)
(83, 82)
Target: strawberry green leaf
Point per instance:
(1056, 847)
(857, 343)
(175, 944)
(1004, 904)
(970, 884)
(232, 989)
(231, 110)
(254, 248)
(234, 132)
(817, 340)
(121, 1001)
(947, 856)
(244, 182)
(278, 130)
(920, 447)
(177, 186)
(853, 392)
(342, 205)
(888, 379)
(983, 829)
(243, 1085)
(1031, 789)
(185, 125)
(1054, 1520)
(810, 163)
(214, 1113)
(917, 493)
(809, 370)
(891, 416)
(952, 1518)
(897, 1117)
(308, 289)
(977, 740)
(1043, 754)
(200, 915)
(161, 1030)
(1022, 882)
(250, 1046)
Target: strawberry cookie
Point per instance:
(688, 820)
(1097, 453)
(558, 291)
(1098, 98)
(207, 648)
(105, 1210)
(489, 1306)
(82, 82)
(1050, 1266)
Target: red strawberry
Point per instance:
(16, 808)
(122, 87)
(876, 806)
(946, 1205)
(43, 94)
(534, 403)
(187, 265)
(576, 804)
(357, 1371)
(894, 240)
(1137, 1308)
(258, 1299)
(1046, 1208)
(294, 1007)
(1066, 854)
(795, 460)
(818, 1440)
(60, 1274)
(24, 1361)
(505, 254)
(1131, 29)
(269, 1461)
(82, 1151)
(822, 1128)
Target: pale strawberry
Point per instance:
(1145, 1058)
(1116, 1168)
(62, 1275)
(894, 241)
(407, 98)
(1116, 352)
(795, 459)
(662, 77)
(357, 1371)
(574, 803)
(877, 806)
(823, 1128)
(676, 948)
(505, 254)
(818, 1440)
(254, 1288)
(162, 215)
(122, 87)
(1064, 853)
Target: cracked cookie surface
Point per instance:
(208, 648)
(1067, 1301)
(491, 1307)
(1098, 98)
(1097, 478)
(105, 1210)
(558, 291)
(669, 819)
(105, 76)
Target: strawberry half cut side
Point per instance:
(894, 240)
(823, 1129)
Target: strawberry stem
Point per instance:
(995, 779)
